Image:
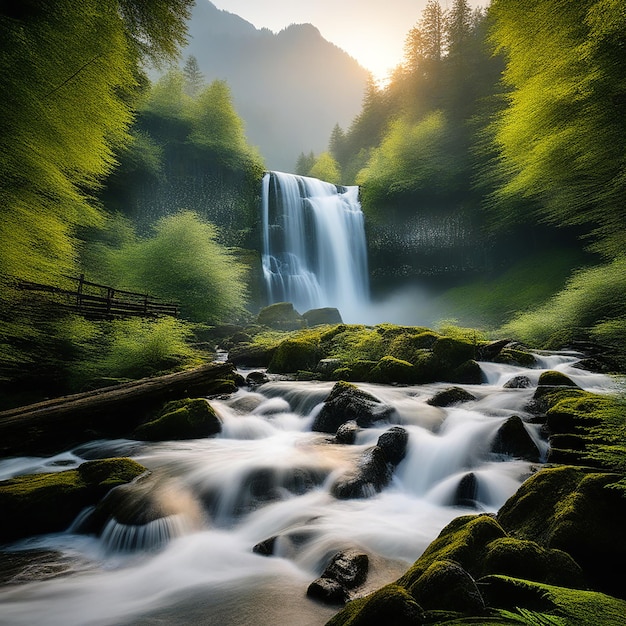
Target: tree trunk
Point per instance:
(61, 423)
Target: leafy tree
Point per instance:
(180, 261)
(562, 137)
(413, 160)
(326, 168)
(69, 73)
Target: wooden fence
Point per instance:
(95, 301)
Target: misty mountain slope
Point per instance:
(290, 88)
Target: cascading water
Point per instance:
(268, 475)
(314, 250)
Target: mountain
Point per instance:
(290, 88)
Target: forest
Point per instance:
(510, 150)
(166, 429)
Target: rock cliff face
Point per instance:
(290, 88)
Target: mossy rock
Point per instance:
(252, 354)
(391, 605)
(450, 397)
(45, 503)
(468, 373)
(446, 585)
(347, 402)
(525, 559)
(281, 316)
(391, 370)
(571, 509)
(464, 540)
(181, 419)
(294, 354)
(559, 605)
(513, 356)
(451, 353)
(408, 345)
(554, 378)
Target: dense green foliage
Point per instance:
(180, 261)
(81, 127)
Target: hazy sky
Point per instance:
(372, 31)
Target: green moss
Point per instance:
(574, 606)
(45, 503)
(527, 559)
(553, 378)
(511, 356)
(181, 419)
(294, 354)
(281, 316)
(452, 352)
(392, 370)
(390, 605)
(464, 540)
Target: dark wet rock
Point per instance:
(393, 443)
(347, 402)
(518, 382)
(44, 503)
(346, 433)
(181, 419)
(446, 585)
(451, 396)
(466, 492)
(371, 474)
(26, 566)
(549, 382)
(468, 373)
(513, 439)
(265, 547)
(346, 571)
(326, 315)
(349, 568)
(255, 379)
(281, 316)
(327, 591)
(143, 501)
(489, 351)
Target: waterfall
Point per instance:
(314, 250)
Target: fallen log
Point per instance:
(61, 423)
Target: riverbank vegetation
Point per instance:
(83, 134)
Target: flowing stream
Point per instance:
(314, 249)
(268, 475)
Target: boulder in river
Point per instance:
(450, 397)
(347, 402)
(181, 419)
(326, 315)
(45, 503)
(374, 468)
(513, 439)
(346, 571)
(281, 316)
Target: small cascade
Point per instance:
(314, 249)
(192, 538)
